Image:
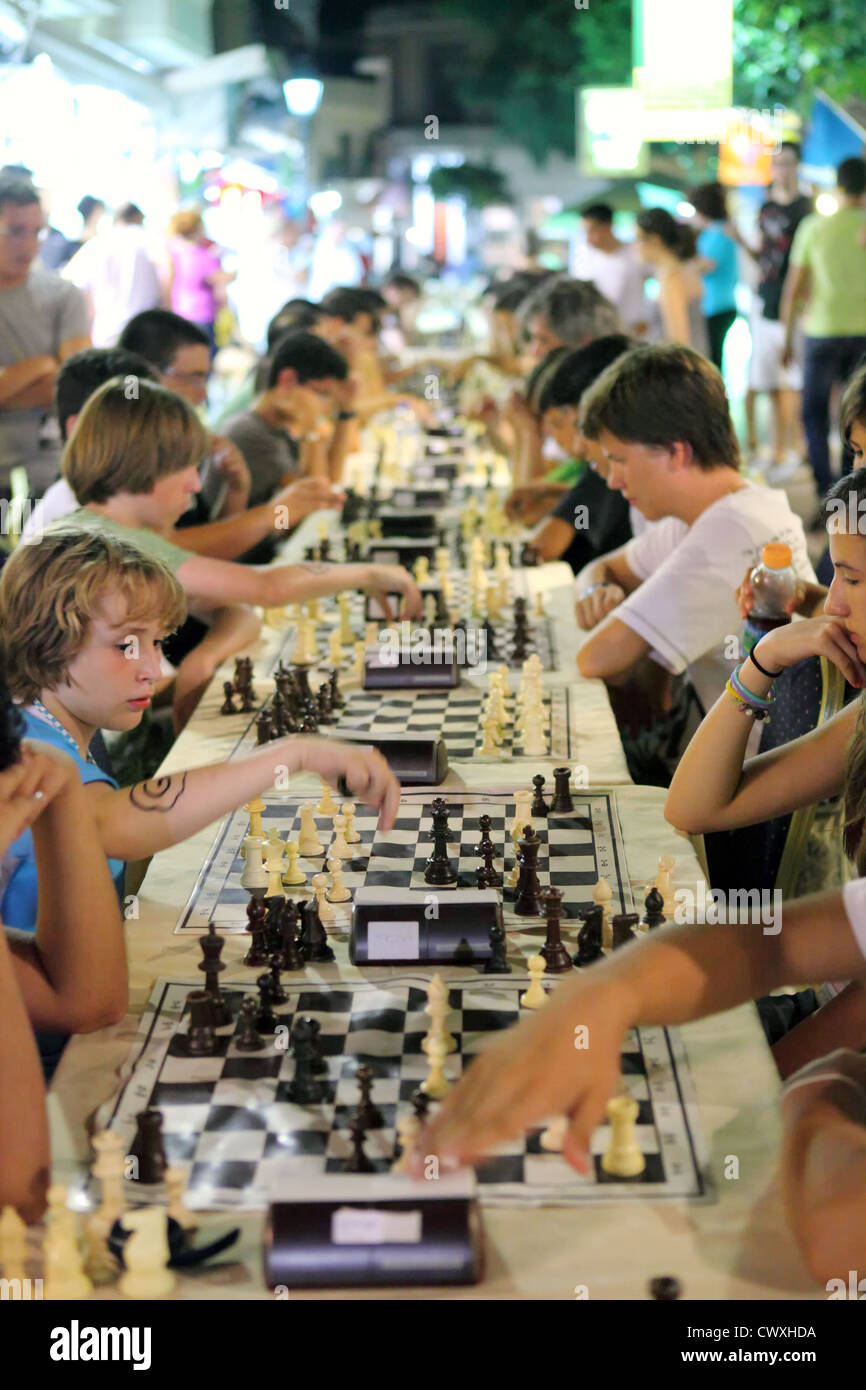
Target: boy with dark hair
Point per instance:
(304, 374)
(43, 320)
(661, 417)
(613, 266)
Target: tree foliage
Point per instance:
(782, 52)
(536, 54)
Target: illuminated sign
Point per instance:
(682, 52)
(609, 138)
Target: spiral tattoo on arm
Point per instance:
(157, 794)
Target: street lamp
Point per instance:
(303, 95)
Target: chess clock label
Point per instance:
(393, 941)
(367, 1226)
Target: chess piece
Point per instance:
(266, 1019)
(623, 1157)
(663, 883)
(535, 739)
(147, 1148)
(589, 938)
(327, 806)
(665, 1288)
(309, 844)
(64, 1276)
(337, 892)
(264, 732)
(440, 870)
(249, 1038)
(211, 946)
(555, 955)
(290, 956)
(304, 1088)
(200, 1040)
(367, 1114)
(100, 1266)
(539, 806)
(347, 636)
(352, 836)
(497, 963)
(146, 1255)
(278, 994)
(339, 849)
(408, 1129)
(228, 706)
(602, 896)
(275, 863)
(258, 951)
(313, 941)
(623, 925)
(436, 1084)
(437, 1010)
(490, 743)
(654, 903)
(528, 900)
(326, 914)
(294, 875)
(536, 996)
(562, 803)
(254, 876)
(108, 1168)
(359, 1162)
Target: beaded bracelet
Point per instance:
(749, 704)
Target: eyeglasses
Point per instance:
(200, 378)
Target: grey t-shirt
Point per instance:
(35, 318)
(269, 453)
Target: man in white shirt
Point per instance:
(614, 267)
(118, 272)
(661, 415)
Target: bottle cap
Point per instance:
(776, 556)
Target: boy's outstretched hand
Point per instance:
(563, 1060)
(367, 774)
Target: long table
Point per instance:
(735, 1247)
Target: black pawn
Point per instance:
(304, 1089)
(359, 1162)
(318, 1061)
(654, 904)
(147, 1147)
(539, 806)
(278, 994)
(266, 1019)
(249, 1039)
(264, 732)
(556, 957)
(258, 951)
(368, 1115)
(228, 706)
(420, 1102)
(337, 700)
(497, 963)
(290, 956)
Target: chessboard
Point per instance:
(577, 849)
(229, 1122)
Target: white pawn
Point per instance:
(538, 611)
(663, 882)
(146, 1255)
(534, 742)
(408, 1129)
(522, 816)
(327, 806)
(338, 892)
(359, 662)
(175, 1183)
(352, 836)
(490, 746)
(309, 844)
(421, 570)
(65, 1278)
(294, 876)
(429, 611)
(339, 849)
(325, 911)
(535, 997)
(108, 1168)
(623, 1157)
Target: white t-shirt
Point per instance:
(670, 527)
(619, 276)
(118, 271)
(58, 501)
(685, 607)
